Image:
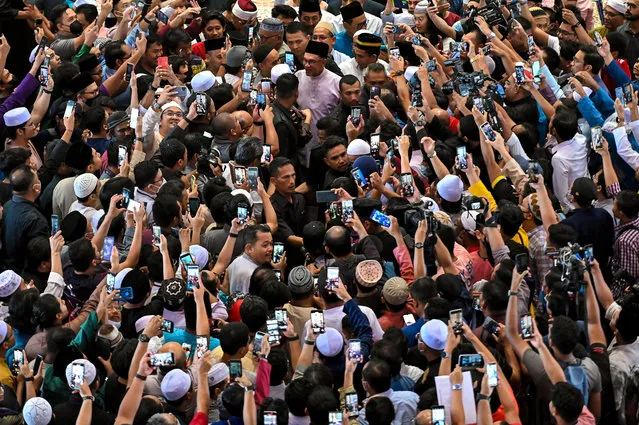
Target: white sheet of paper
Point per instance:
(442, 384)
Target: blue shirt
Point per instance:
(344, 44)
(412, 330)
(233, 420)
(99, 145)
(405, 403)
(180, 336)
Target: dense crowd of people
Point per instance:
(327, 213)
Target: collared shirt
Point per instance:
(240, 272)
(224, 146)
(35, 161)
(339, 57)
(148, 199)
(352, 67)
(318, 94)
(298, 420)
(333, 319)
(373, 24)
(92, 215)
(541, 263)
(569, 162)
(22, 222)
(632, 48)
(405, 403)
(623, 363)
(344, 44)
(291, 217)
(626, 252)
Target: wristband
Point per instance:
(88, 397)
(154, 88)
(47, 91)
(147, 21)
(491, 36)
(188, 120)
(259, 124)
(513, 293)
(140, 377)
(249, 388)
(139, 139)
(432, 156)
(294, 338)
(29, 379)
(307, 342)
(577, 25)
(481, 397)
(232, 235)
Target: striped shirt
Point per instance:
(626, 254)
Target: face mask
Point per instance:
(115, 324)
(110, 21)
(76, 28)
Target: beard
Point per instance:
(630, 17)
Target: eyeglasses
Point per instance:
(174, 114)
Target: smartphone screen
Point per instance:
(240, 175)
(162, 17)
(166, 326)
(470, 361)
(356, 113)
(491, 371)
(108, 246)
(55, 224)
(253, 175)
(281, 315)
(438, 415)
(266, 86)
(129, 71)
(135, 113)
(157, 232)
(273, 330)
(596, 137)
(246, 81)
(375, 142)
(69, 110)
(325, 196)
(456, 320)
(77, 375)
(317, 321)
(162, 359)
(355, 347)
(122, 151)
(235, 369)
(620, 95)
(110, 285)
(37, 363)
(358, 176)
(521, 260)
(290, 60)
(627, 92)
(520, 77)
(201, 345)
(266, 153)
(335, 418)
(395, 52)
(407, 184)
(488, 132)
(278, 252)
(260, 100)
(526, 326)
(194, 205)
(257, 343)
(461, 157)
(380, 218)
(193, 277)
(242, 214)
(332, 276)
(347, 210)
(270, 417)
(409, 319)
(44, 75)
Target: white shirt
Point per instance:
(373, 24)
(624, 149)
(240, 272)
(333, 319)
(339, 57)
(91, 214)
(569, 162)
(351, 67)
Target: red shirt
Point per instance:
(200, 418)
(608, 81)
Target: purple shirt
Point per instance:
(27, 86)
(319, 94)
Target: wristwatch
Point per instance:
(419, 123)
(156, 105)
(513, 293)
(143, 338)
(481, 397)
(88, 397)
(577, 25)
(445, 355)
(249, 388)
(431, 156)
(456, 387)
(419, 245)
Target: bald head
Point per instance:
(244, 118)
(424, 417)
(222, 125)
(442, 115)
(178, 354)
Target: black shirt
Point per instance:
(114, 392)
(67, 413)
(131, 315)
(291, 219)
(22, 222)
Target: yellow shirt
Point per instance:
(6, 377)
(249, 361)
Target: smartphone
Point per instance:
(352, 404)
(107, 247)
(135, 114)
(491, 368)
(129, 71)
(200, 104)
(485, 50)
(247, 57)
(69, 110)
(266, 153)
(332, 278)
(325, 196)
(110, 284)
(37, 363)
(358, 176)
(531, 45)
(438, 415)
(375, 143)
(157, 232)
(278, 252)
(122, 151)
(375, 91)
(627, 92)
(281, 315)
(470, 361)
(278, 275)
(163, 62)
(167, 326)
(380, 218)
(44, 75)
(252, 177)
(456, 320)
(491, 326)
(394, 51)
(536, 69)
(18, 360)
(347, 210)
(356, 114)
(461, 157)
(598, 39)
(126, 293)
(589, 255)
(242, 214)
(194, 205)
(235, 369)
(520, 77)
(522, 262)
(240, 175)
(596, 137)
(273, 330)
(317, 321)
(289, 59)
(193, 277)
(250, 34)
(620, 95)
(526, 326)
(163, 359)
(77, 375)
(161, 16)
(187, 349)
(201, 345)
(257, 343)
(247, 78)
(335, 418)
(270, 417)
(55, 224)
(409, 319)
(431, 65)
(266, 86)
(488, 131)
(406, 180)
(355, 347)
(416, 99)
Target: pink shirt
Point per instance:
(464, 265)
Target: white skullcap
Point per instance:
(84, 185)
(89, 371)
(358, 147)
(16, 117)
(202, 81)
(279, 70)
(37, 411)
